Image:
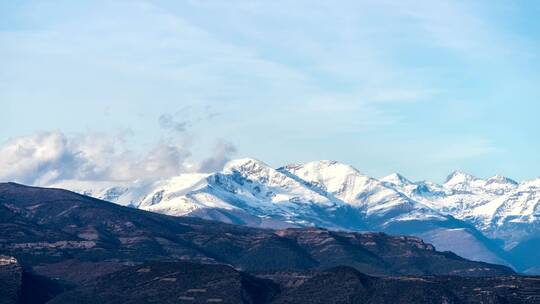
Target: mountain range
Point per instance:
(58, 246)
(494, 220)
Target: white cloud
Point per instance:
(222, 154)
(51, 157)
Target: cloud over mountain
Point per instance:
(45, 158)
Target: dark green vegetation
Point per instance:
(75, 247)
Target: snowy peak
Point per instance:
(459, 177)
(246, 165)
(323, 168)
(254, 171)
(397, 180)
(460, 181)
(258, 174)
(345, 183)
(463, 182)
(324, 171)
(535, 183)
(499, 179)
(341, 180)
(500, 184)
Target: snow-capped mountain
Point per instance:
(491, 205)
(482, 219)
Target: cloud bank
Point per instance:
(48, 158)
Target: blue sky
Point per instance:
(418, 87)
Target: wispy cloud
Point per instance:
(167, 121)
(459, 149)
(223, 151)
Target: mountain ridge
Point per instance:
(45, 227)
(64, 247)
(491, 213)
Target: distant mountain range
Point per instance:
(494, 220)
(57, 246)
